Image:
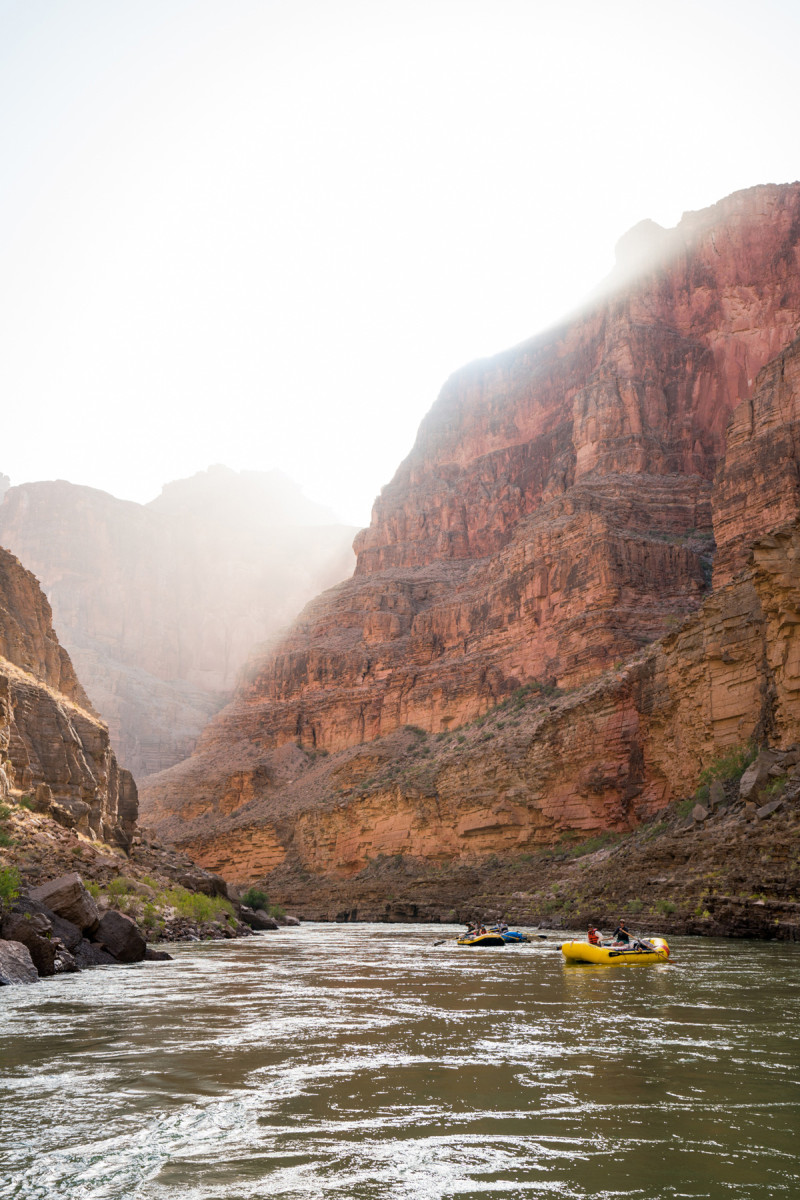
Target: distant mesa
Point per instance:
(160, 604)
(643, 247)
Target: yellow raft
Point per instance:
(617, 956)
(481, 939)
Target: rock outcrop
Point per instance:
(159, 604)
(53, 746)
(552, 523)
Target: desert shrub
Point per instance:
(119, 887)
(255, 898)
(415, 729)
(592, 844)
(92, 888)
(5, 839)
(150, 918)
(197, 907)
(684, 807)
(636, 906)
(276, 910)
(5, 812)
(665, 906)
(730, 765)
(9, 885)
(774, 788)
(26, 802)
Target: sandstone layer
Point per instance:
(159, 604)
(552, 522)
(53, 746)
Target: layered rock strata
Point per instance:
(53, 746)
(159, 604)
(553, 517)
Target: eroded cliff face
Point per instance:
(160, 604)
(552, 521)
(53, 746)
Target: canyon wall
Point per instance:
(553, 522)
(159, 604)
(53, 746)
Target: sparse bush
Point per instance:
(730, 765)
(593, 843)
(636, 906)
(150, 918)
(5, 839)
(92, 888)
(5, 812)
(665, 906)
(10, 883)
(119, 887)
(255, 898)
(26, 802)
(415, 729)
(197, 907)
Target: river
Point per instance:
(365, 1062)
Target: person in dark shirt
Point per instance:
(621, 934)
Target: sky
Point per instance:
(265, 233)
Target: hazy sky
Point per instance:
(265, 233)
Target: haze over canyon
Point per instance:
(579, 590)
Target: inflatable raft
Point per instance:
(481, 939)
(651, 950)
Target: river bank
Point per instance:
(728, 867)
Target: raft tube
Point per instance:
(616, 956)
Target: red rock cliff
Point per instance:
(53, 746)
(554, 516)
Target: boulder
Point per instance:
(757, 773)
(291, 921)
(266, 921)
(68, 934)
(767, 810)
(32, 930)
(716, 794)
(68, 898)
(152, 955)
(257, 919)
(16, 964)
(699, 813)
(204, 881)
(121, 937)
(65, 963)
(90, 954)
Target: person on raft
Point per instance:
(621, 934)
(593, 936)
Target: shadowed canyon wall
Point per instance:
(552, 521)
(159, 604)
(53, 746)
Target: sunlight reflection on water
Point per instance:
(363, 1062)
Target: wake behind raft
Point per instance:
(639, 953)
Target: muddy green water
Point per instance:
(365, 1062)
